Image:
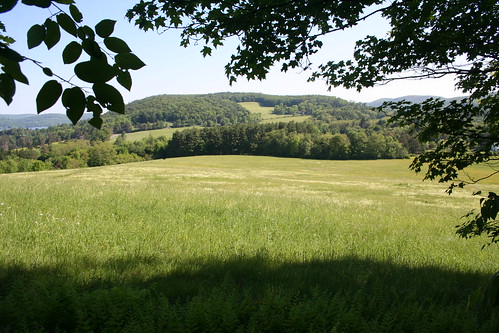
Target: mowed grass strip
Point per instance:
(227, 243)
(166, 132)
(268, 116)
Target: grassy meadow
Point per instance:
(268, 116)
(238, 244)
(166, 132)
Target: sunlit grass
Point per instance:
(219, 207)
(268, 116)
(275, 229)
(166, 132)
(284, 119)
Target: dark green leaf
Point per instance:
(48, 95)
(116, 45)
(8, 53)
(7, 5)
(7, 40)
(67, 23)
(36, 35)
(75, 13)
(93, 107)
(96, 109)
(71, 52)
(92, 49)
(7, 87)
(96, 122)
(206, 51)
(105, 28)
(47, 71)
(38, 3)
(94, 71)
(74, 100)
(125, 79)
(53, 33)
(64, 2)
(128, 61)
(89, 33)
(81, 33)
(109, 97)
(13, 69)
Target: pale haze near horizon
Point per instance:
(172, 69)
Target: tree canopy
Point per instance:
(428, 39)
(102, 64)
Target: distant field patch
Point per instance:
(255, 107)
(167, 132)
(267, 116)
(284, 119)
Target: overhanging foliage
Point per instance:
(428, 39)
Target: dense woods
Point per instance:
(149, 113)
(291, 139)
(26, 138)
(320, 107)
(179, 111)
(337, 129)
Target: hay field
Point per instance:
(238, 243)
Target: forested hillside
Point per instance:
(206, 110)
(334, 129)
(223, 109)
(149, 113)
(320, 107)
(181, 111)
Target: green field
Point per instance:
(238, 244)
(268, 116)
(167, 132)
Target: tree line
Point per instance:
(150, 113)
(300, 140)
(28, 138)
(80, 154)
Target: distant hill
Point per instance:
(33, 121)
(207, 110)
(212, 109)
(318, 106)
(178, 111)
(410, 98)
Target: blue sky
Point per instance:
(172, 69)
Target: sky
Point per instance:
(173, 69)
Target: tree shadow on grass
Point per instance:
(243, 293)
(347, 275)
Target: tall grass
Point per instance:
(238, 243)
